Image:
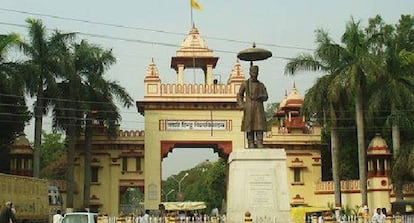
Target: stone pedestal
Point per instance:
(258, 184)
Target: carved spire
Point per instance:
(152, 72)
(237, 73)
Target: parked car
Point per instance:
(80, 217)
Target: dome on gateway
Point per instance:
(194, 46)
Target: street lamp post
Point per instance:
(169, 192)
(179, 194)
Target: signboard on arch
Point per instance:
(202, 125)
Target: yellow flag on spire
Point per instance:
(195, 5)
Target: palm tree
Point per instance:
(13, 110)
(328, 87)
(41, 70)
(349, 61)
(7, 41)
(85, 95)
(68, 116)
(355, 57)
(393, 81)
(99, 104)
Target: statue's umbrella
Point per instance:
(254, 54)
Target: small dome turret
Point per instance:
(294, 100)
(378, 146)
(292, 103)
(21, 140)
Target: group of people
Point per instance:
(8, 213)
(177, 217)
(379, 216)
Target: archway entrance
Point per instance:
(179, 114)
(162, 141)
(181, 159)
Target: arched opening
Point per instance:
(185, 158)
(187, 165)
(131, 201)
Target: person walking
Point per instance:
(7, 215)
(57, 218)
(146, 217)
(376, 217)
(383, 215)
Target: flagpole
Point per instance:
(192, 21)
(192, 26)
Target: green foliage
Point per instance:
(392, 82)
(131, 196)
(403, 165)
(53, 164)
(270, 110)
(205, 182)
(373, 65)
(349, 211)
(348, 156)
(52, 148)
(217, 184)
(326, 156)
(14, 113)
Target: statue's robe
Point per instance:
(251, 96)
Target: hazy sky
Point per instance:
(139, 30)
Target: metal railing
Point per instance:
(263, 219)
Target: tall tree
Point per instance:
(86, 97)
(393, 80)
(92, 62)
(44, 56)
(350, 60)
(329, 87)
(13, 111)
(67, 115)
(354, 57)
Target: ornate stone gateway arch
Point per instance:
(188, 115)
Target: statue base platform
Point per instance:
(258, 184)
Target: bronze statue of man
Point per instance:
(252, 94)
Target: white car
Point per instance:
(80, 217)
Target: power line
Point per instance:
(149, 29)
(141, 41)
(162, 44)
(111, 111)
(57, 99)
(176, 114)
(344, 128)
